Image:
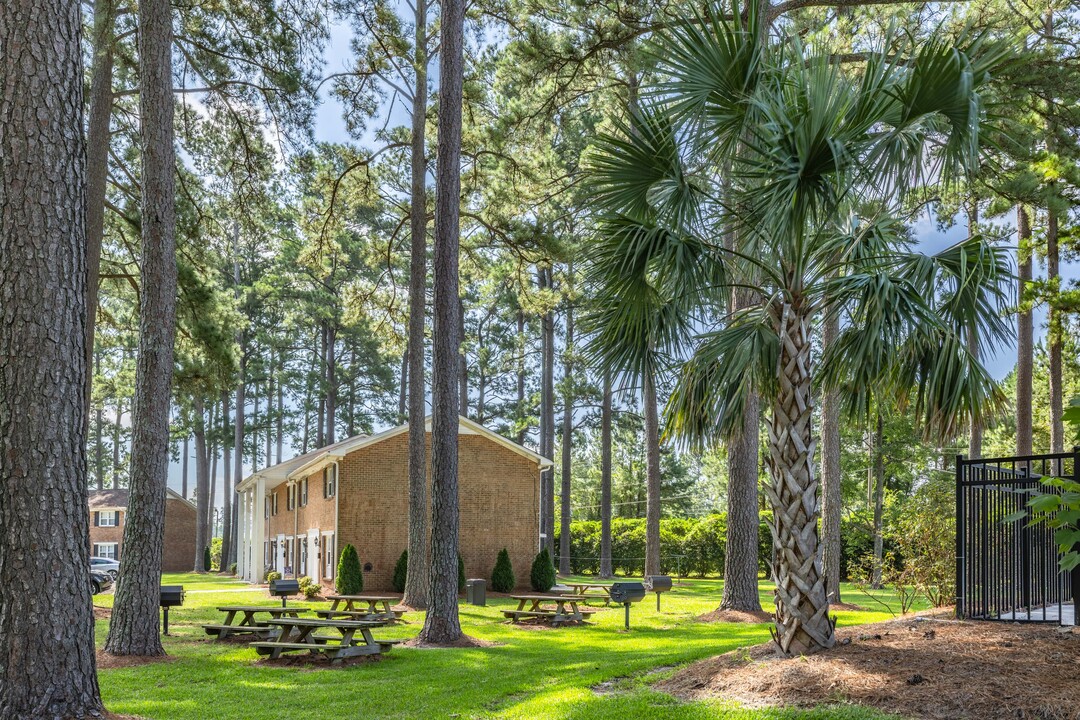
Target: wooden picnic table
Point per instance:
(591, 590)
(535, 610)
(361, 607)
(249, 623)
(299, 634)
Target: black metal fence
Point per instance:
(1009, 570)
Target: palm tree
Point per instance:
(809, 163)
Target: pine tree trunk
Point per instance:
(331, 384)
(47, 665)
(463, 365)
(877, 484)
(133, 627)
(522, 411)
(97, 161)
(238, 447)
(547, 417)
(1053, 340)
(403, 392)
(116, 444)
(320, 437)
(605, 480)
(652, 486)
(441, 624)
(201, 481)
(740, 591)
(270, 411)
(831, 476)
(226, 488)
(416, 578)
(185, 451)
(1025, 342)
(567, 438)
(99, 449)
(802, 606)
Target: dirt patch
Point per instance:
(846, 606)
(318, 662)
(921, 667)
(102, 613)
(108, 661)
(610, 687)
(465, 641)
(736, 616)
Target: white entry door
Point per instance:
(279, 562)
(329, 556)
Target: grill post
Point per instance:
(960, 535)
(626, 607)
(165, 620)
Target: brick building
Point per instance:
(108, 510)
(296, 516)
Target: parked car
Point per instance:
(105, 565)
(100, 582)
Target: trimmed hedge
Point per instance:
(542, 575)
(401, 571)
(206, 559)
(350, 578)
(502, 577)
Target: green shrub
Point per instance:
(206, 559)
(309, 587)
(232, 568)
(460, 574)
(502, 577)
(704, 546)
(350, 579)
(542, 576)
(401, 571)
(272, 576)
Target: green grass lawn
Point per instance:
(533, 673)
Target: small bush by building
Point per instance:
(542, 576)
(401, 571)
(502, 577)
(350, 578)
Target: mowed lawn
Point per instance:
(533, 673)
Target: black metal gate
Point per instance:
(1009, 570)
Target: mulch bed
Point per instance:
(918, 667)
(735, 616)
(464, 641)
(102, 613)
(108, 661)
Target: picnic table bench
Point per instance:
(361, 607)
(249, 623)
(535, 608)
(299, 634)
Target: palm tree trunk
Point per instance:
(605, 480)
(831, 477)
(441, 624)
(975, 441)
(567, 438)
(652, 484)
(416, 577)
(133, 627)
(1025, 341)
(877, 485)
(48, 667)
(802, 605)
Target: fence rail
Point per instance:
(1009, 570)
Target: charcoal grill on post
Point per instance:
(283, 589)
(627, 593)
(658, 584)
(171, 596)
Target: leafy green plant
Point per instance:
(542, 575)
(350, 578)
(206, 559)
(309, 587)
(502, 577)
(401, 571)
(232, 568)
(924, 534)
(273, 575)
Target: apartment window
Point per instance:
(303, 492)
(328, 483)
(290, 497)
(266, 507)
(273, 509)
(105, 550)
(108, 518)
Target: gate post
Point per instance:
(1076, 570)
(960, 535)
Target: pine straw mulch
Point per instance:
(108, 661)
(465, 641)
(918, 667)
(735, 616)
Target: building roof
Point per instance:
(308, 463)
(117, 498)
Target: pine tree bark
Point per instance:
(202, 479)
(1025, 341)
(97, 160)
(441, 624)
(652, 487)
(403, 392)
(133, 627)
(606, 570)
(47, 665)
(522, 411)
(331, 384)
(184, 451)
(416, 577)
(226, 488)
(116, 444)
(99, 421)
(740, 591)
(802, 606)
(831, 476)
(1053, 261)
(463, 365)
(567, 439)
(547, 417)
